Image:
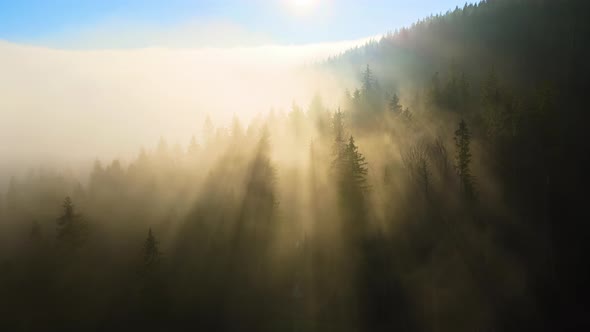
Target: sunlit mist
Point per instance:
(95, 104)
(294, 165)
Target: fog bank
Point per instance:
(63, 108)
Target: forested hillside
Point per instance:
(445, 192)
(516, 72)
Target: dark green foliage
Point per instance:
(463, 159)
(356, 166)
(71, 228)
(151, 252)
(394, 105)
(351, 177)
(368, 81)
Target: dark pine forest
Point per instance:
(445, 192)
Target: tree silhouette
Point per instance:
(71, 229)
(463, 159)
(151, 252)
(394, 105)
(356, 164)
(368, 80)
(350, 170)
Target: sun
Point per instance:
(302, 6)
(302, 3)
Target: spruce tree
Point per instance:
(394, 106)
(357, 166)
(351, 177)
(71, 230)
(151, 251)
(368, 80)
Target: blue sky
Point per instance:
(68, 23)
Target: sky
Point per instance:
(189, 23)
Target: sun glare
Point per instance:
(302, 3)
(302, 6)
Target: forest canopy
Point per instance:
(441, 192)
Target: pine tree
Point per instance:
(71, 229)
(254, 221)
(351, 177)
(151, 252)
(394, 106)
(356, 96)
(368, 80)
(407, 115)
(357, 165)
(369, 99)
(152, 299)
(463, 159)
